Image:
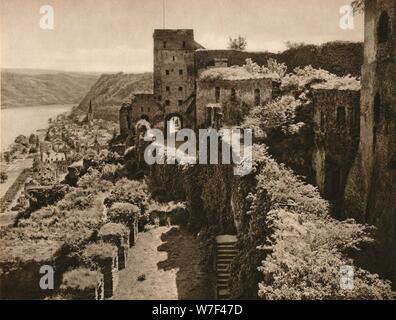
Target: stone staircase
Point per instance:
(225, 254)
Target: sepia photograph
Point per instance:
(211, 150)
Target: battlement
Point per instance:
(175, 39)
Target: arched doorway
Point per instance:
(173, 124)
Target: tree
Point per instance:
(358, 6)
(3, 176)
(238, 43)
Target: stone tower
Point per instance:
(90, 113)
(125, 119)
(174, 70)
(370, 194)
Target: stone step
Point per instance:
(222, 282)
(223, 275)
(226, 245)
(231, 251)
(223, 269)
(222, 257)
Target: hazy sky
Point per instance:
(116, 35)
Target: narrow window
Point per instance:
(173, 58)
(233, 95)
(168, 89)
(142, 109)
(167, 102)
(148, 109)
(257, 97)
(217, 94)
(180, 103)
(180, 88)
(184, 44)
(164, 44)
(383, 28)
(341, 117)
(181, 72)
(167, 72)
(322, 120)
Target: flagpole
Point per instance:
(163, 13)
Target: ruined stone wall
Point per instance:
(207, 58)
(174, 69)
(336, 126)
(370, 194)
(125, 119)
(234, 108)
(144, 106)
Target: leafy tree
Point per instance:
(238, 43)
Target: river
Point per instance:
(26, 120)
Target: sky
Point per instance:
(116, 35)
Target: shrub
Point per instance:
(306, 257)
(3, 176)
(80, 280)
(98, 253)
(129, 191)
(286, 232)
(124, 213)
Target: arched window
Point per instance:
(257, 97)
(383, 28)
(217, 94)
(341, 117)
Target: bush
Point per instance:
(286, 232)
(3, 176)
(80, 280)
(98, 253)
(124, 213)
(129, 191)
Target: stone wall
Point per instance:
(235, 106)
(336, 126)
(370, 194)
(144, 106)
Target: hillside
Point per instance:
(32, 88)
(113, 89)
(110, 90)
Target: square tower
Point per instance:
(174, 69)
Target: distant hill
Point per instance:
(110, 90)
(113, 89)
(28, 88)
